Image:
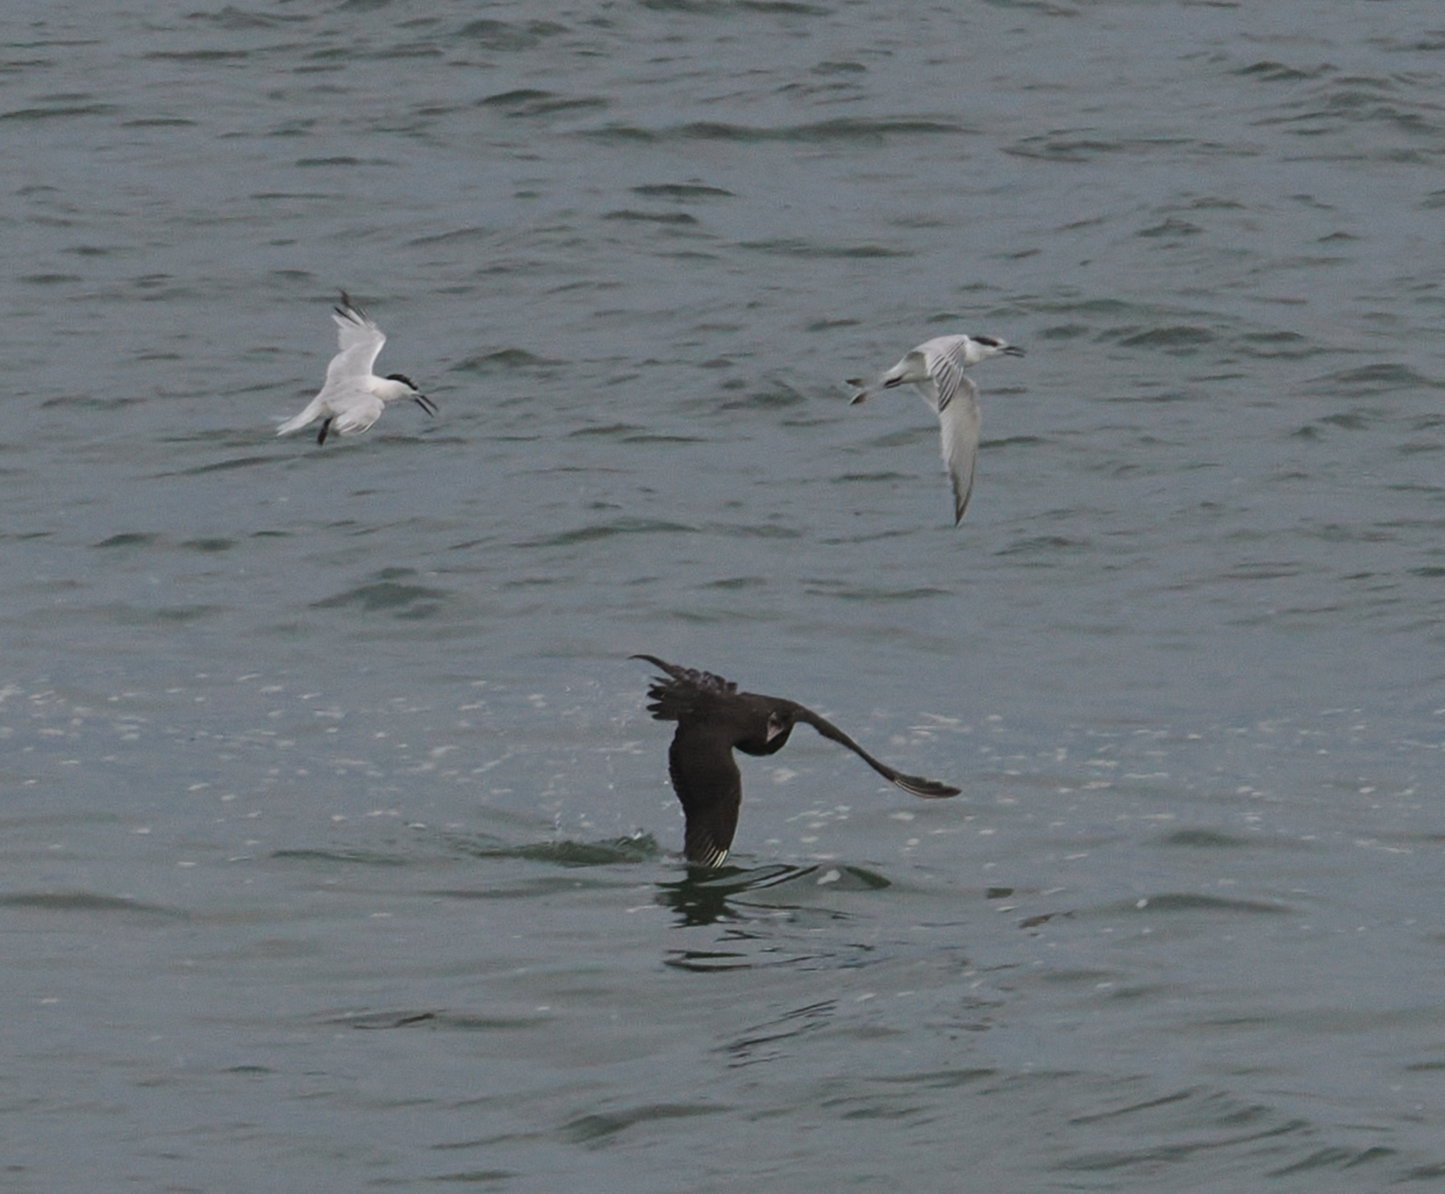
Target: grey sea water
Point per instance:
(338, 848)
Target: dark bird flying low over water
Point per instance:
(713, 720)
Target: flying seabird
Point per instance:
(714, 719)
(353, 396)
(936, 368)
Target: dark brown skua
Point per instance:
(713, 720)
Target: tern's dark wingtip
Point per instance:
(350, 309)
(960, 504)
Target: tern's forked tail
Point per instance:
(309, 415)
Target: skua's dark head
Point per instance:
(780, 721)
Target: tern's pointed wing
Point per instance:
(359, 341)
(358, 412)
(707, 782)
(958, 424)
(943, 360)
(915, 785)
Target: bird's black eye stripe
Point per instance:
(987, 340)
(402, 377)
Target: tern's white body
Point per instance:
(936, 369)
(353, 397)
